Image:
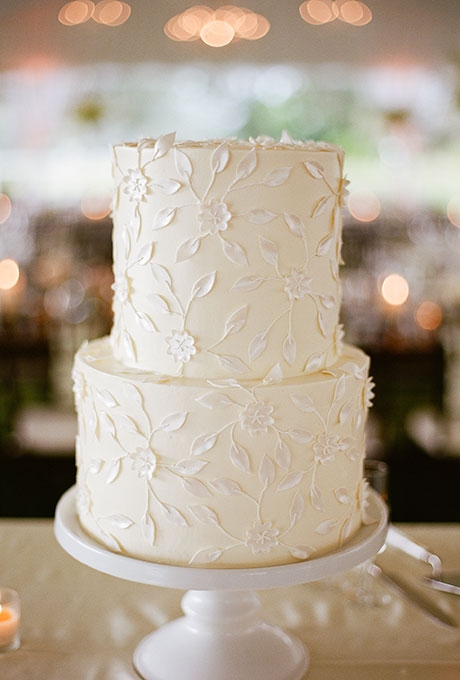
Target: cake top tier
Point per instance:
(226, 256)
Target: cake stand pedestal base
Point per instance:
(220, 636)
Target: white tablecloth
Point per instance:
(79, 624)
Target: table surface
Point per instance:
(80, 624)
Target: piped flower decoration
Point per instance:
(137, 185)
(144, 463)
(213, 217)
(256, 418)
(297, 284)
(181, 346)
(262, 537)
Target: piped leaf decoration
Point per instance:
(346, 529)
(269, 251)
(290, 349)
(274, 375)
(247, 165)
(325, 527)
(111, 541)
(190, 466)
(113, 470)
(315, 169)
(204, 514)
(236, 321)
(295, 224)
(107, 398)
(291, 480)
(345, 412)
(260, 216)
(226, 486)
(316, 498)
(148, 529)
(120, 521)
(303, 402)
(145, 321)
(95, 466)
(107, 424)
(324, 246)
(248, 283)
(127, 424)
(239, 457)
(204, 285)
(167, 186)
(173, 422)
(196, 487)
(173, 515)
(161, 274)
(353, 369)
(342, 495)
(339, 388)
(322, 323)
(215, 400)
(206, 556)
(187, 249)
(163, 144)
(314, 363)
(282, 455)
(134, 395)
(257, 345)
(301, 552)
(297, 508)
(234, 252)
(322, 206)
(327, 300)
(203, 443)
(163, 218)
(183, 164)
(300, 435)
(277, 177)
(128, 346)
(232, 364)
(266, 471)
(159, 304)
(220, 158)
(145, 255)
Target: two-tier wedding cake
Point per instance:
(222, 422)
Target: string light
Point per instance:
(217, 28)
(107, 12)
(317, 12)
(395, 290)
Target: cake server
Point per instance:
(413, 595)
(448, 582)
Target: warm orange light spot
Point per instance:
(317, 11)
(111, 12)
(5, 208)
(364, 206)
(453, 211)
(217, 27)
(9, 274)
(428, 315)
(76, 12)
(95, 207)
(217, 33)
(395, 290)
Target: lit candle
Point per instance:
(9, 619)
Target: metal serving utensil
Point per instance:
(447, 581)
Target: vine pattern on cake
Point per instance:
(111, 418)
(214, 219)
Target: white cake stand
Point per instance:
(220, 636)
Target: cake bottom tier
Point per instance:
(224, 473)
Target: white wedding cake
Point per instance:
(222, 422)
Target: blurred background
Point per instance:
(381, 79)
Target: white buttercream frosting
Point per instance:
(222, 422)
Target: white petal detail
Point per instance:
(226, 486)
(260, 216)
(183, 164)
(196, 488)
(257, 345)
(168, 186)
(248, 283)
(220, 158)
(295, 225)
(303, 402)
(290, 349)
(120, 521)
(163, 144)
(187, 249)
(214, 400)
(277, 177)
(300, 435)
(282, 455)
(266, 471)
(163, 218)
(247, 165)
(202, 444)
(236, 321)
(269, 251)
(322, 206)
(239, 458)
(297, 508)
(234, 252)
(204, 514)
(190, 466)
(174, 422)
(291, 480)
(232, 364)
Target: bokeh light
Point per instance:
(76, 12)
(317, 12)
(95, 207)
(5, 208)
(453, 211)
(395, 290)
(107, 12)
(428, 315)
(217, 28)
(363, 206)
(9, 274)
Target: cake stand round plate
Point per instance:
(220, 636)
